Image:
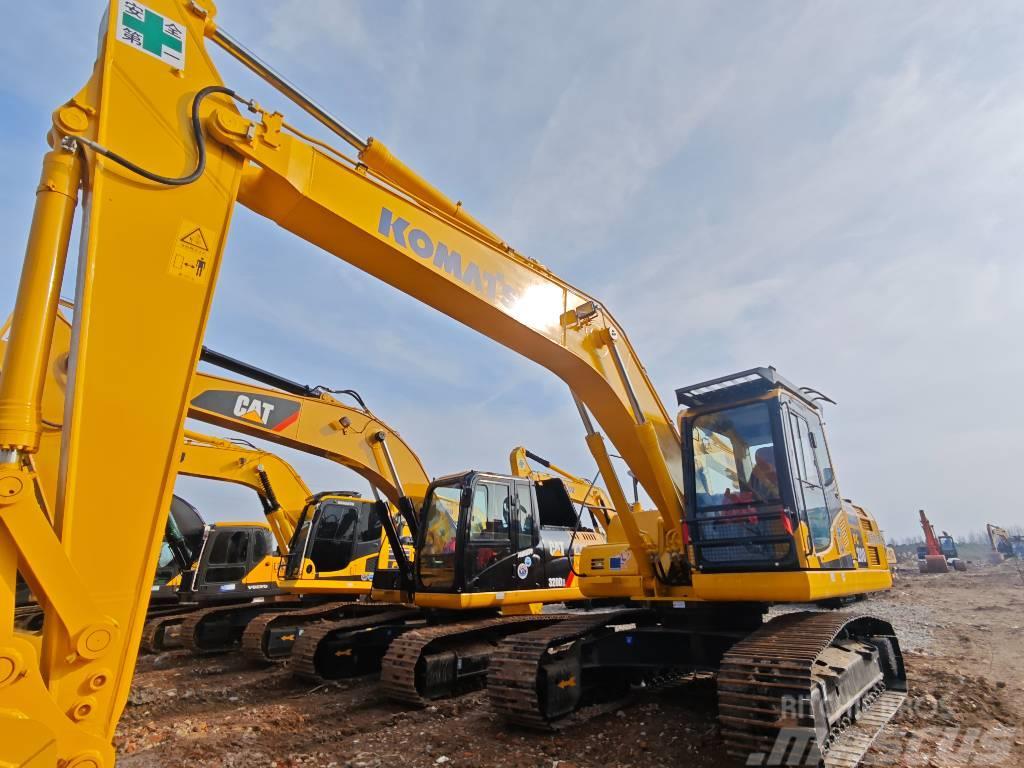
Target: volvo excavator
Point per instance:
(159, 151)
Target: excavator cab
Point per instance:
(757, 468)
(488, 539)
(338, 537)
(237, 561)
(183, 538)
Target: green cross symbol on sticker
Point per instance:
(148, 31)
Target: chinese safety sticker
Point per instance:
(148, 31)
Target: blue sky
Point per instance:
(835, 189)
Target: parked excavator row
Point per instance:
(701, 566)
(332, 551)
(278, 486)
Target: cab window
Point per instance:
(233, 548)
(524, 517)
(374, 527)
(489, 514)
(436, 562)
(261, 546)
(810, 492)
(734, 457)
(166, 559)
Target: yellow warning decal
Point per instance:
(192, 255)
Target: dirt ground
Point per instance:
(961, 635)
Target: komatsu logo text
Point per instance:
(444, 259)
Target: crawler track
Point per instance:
(331, 650)
(513, 680)
(270, 637)
(448, 659)
(817, 686)
(219, 629)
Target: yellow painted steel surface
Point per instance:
(135, 315)
(148, 264)
(322, 427)
(318, 420)
(773, 587)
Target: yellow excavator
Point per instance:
(159, 153)
(285, 497)
(1005, 546)
(215, 582)
(317, 567)
(177, 568)
(521, 535)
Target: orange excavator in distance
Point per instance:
(938, 552)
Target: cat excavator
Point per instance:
(519, 536)
(285, 497)
(159, 151)
(324, 558)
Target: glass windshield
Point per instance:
(734, 457)
(166, 559)
(167, 566)
(335, 534)
(440, 537)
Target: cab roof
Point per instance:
(735, 387)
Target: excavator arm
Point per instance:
(361, 215)
(283, 493)
(320, 425)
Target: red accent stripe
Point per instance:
(287, 422)
(568, 581)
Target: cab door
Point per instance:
(530, 566)
(262, 571)
(814, 485)
(489, 561)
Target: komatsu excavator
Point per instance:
(159, 153)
